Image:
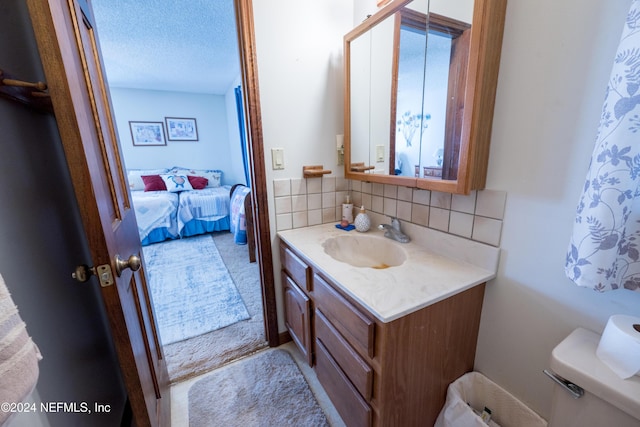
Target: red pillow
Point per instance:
(197, 182)
(153, 183)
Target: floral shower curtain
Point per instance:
(604, 253)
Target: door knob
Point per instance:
(133, 262)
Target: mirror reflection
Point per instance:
(406, 108)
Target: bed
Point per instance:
(178, 202)
(156, 214)
(241, 218)
(203, 211)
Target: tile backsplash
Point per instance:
(303, 202)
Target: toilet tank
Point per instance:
(608, 400)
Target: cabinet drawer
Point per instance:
(297, 269)
(348, 402)
(348, 320)
(360, 374)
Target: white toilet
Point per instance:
(605, 400)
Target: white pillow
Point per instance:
(214, 176)
(176, 182)
(135, 177)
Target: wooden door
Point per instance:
(71, 59)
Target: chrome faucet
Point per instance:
(393, 231)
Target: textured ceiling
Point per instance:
(186, 46)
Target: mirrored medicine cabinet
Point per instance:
(420, 83)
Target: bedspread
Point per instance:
(238, 220)
(208, 204)
(155, 209)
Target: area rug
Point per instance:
(191, 288)
(267, 389)
(195, 356)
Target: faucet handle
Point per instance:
(395, 222)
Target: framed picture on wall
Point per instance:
(181, 129)
(147, 133)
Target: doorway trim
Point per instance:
(253, 123)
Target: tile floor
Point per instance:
(180, 393)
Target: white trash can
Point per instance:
(469, 395)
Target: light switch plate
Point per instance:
(379, 153)
(277, 158)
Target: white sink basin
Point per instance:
(365, 251)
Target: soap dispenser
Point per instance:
(347, 211)
(362, 222)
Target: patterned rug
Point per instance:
(266, 389)
(198, 355)
(191, 288)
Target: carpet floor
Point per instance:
(195, 356)
(192, 290)
(266, 389)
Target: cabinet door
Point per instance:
(297, 311)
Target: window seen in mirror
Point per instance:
(421, 103)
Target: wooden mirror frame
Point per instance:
(480, 89)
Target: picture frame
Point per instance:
(147, 133)
(181, 129)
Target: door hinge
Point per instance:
(104, 275)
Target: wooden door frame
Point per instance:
(253, 122)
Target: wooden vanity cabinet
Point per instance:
(297, 304)
(387, 374)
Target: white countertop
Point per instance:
(438, 265)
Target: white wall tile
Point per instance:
(421, 196)
(328, 215)
(440, 200)
(342, 184)
(300, 219)
(329, 199)
(390, 207)
(404, 210)
(420, 214)
(405, 193)
(391, 191)
(464, 203)
(314, 201)
(307, 202)
(377, 204)
(328, 184)
(281, 187)
(341, 197)
(487, 230)
(461, 224)
(283, 222)
(298, 186)
(283, 205)
(299, 203)
(314, 217)
(367, 201)
(314, 185)
(491, 203)
(356, 198)
(439, 218)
